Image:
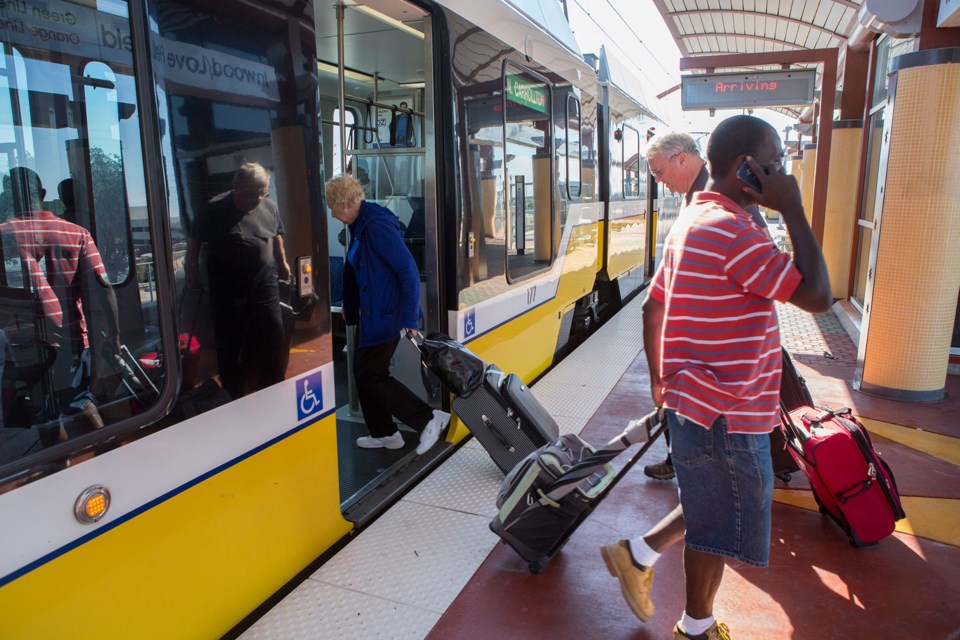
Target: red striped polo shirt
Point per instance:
(56, 253)
(721, 341)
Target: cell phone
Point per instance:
(748, 178)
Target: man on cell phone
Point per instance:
(713, 347)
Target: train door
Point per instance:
(374, 66)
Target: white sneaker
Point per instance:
(431, 432)
(387, 442)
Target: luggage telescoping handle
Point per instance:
(637, 431)
(795, 433)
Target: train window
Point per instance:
(79, 327)
(350, 121)
(528, 171)
(239, 143)
(631, 162)
(574, 124)
(106, 169)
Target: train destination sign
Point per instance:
(745, 90)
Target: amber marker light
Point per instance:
(92, 504)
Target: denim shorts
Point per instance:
(726, 488)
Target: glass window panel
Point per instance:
(874, 144)
(529, 172)
(79, 326)
(574, 125)
(631, 162)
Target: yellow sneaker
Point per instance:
(636, 581)
(718, 631)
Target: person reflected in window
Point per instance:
(67, 197)
(381, 297)
(62, 266)
(401, 128)
(6, 200)
(245, 259)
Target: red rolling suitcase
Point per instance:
(851, 482)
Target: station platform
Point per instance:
(430, 568)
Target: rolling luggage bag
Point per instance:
(544, 499)
(500, 411)
(505, 418)
(851, 482)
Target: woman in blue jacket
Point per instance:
(381, 297)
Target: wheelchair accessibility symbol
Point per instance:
(470, 323)
(309, 395)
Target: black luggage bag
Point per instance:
(793, 394)
(554, 489)
(506, 418)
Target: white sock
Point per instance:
(643, 554)
(693, 627)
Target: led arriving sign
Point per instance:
(745, 90)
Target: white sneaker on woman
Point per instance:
(431, 432)
(394, 441)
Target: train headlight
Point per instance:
(92, 504)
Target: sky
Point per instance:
(634, 32)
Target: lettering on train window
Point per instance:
(529, 175)
(574, 124)
(631, 162)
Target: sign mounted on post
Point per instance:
(747, 90)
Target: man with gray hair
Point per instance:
(675, 163)
(245, 257)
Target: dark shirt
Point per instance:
(698, 183)
(240, 260)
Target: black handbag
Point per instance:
(460, 370)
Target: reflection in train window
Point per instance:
(239, 90)
(631, 162)
(574, 124)
(79, 328)
(106, 169)
(529, 173)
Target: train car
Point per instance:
(151, 457)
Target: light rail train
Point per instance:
(159, 504)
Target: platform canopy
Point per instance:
(718, 27)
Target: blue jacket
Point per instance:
(381, 284)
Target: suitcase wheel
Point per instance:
(535, 567)
(820, 507)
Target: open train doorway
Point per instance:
(374, 70)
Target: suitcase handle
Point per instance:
(499, 436)
(415, 338)
(793, 431)
(637, 431)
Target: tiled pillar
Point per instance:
(914, 276)
(807, 171)
(840, 217)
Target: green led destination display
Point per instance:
(746, 90)
(526, 93)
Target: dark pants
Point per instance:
(251, 350)
(381, 395)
